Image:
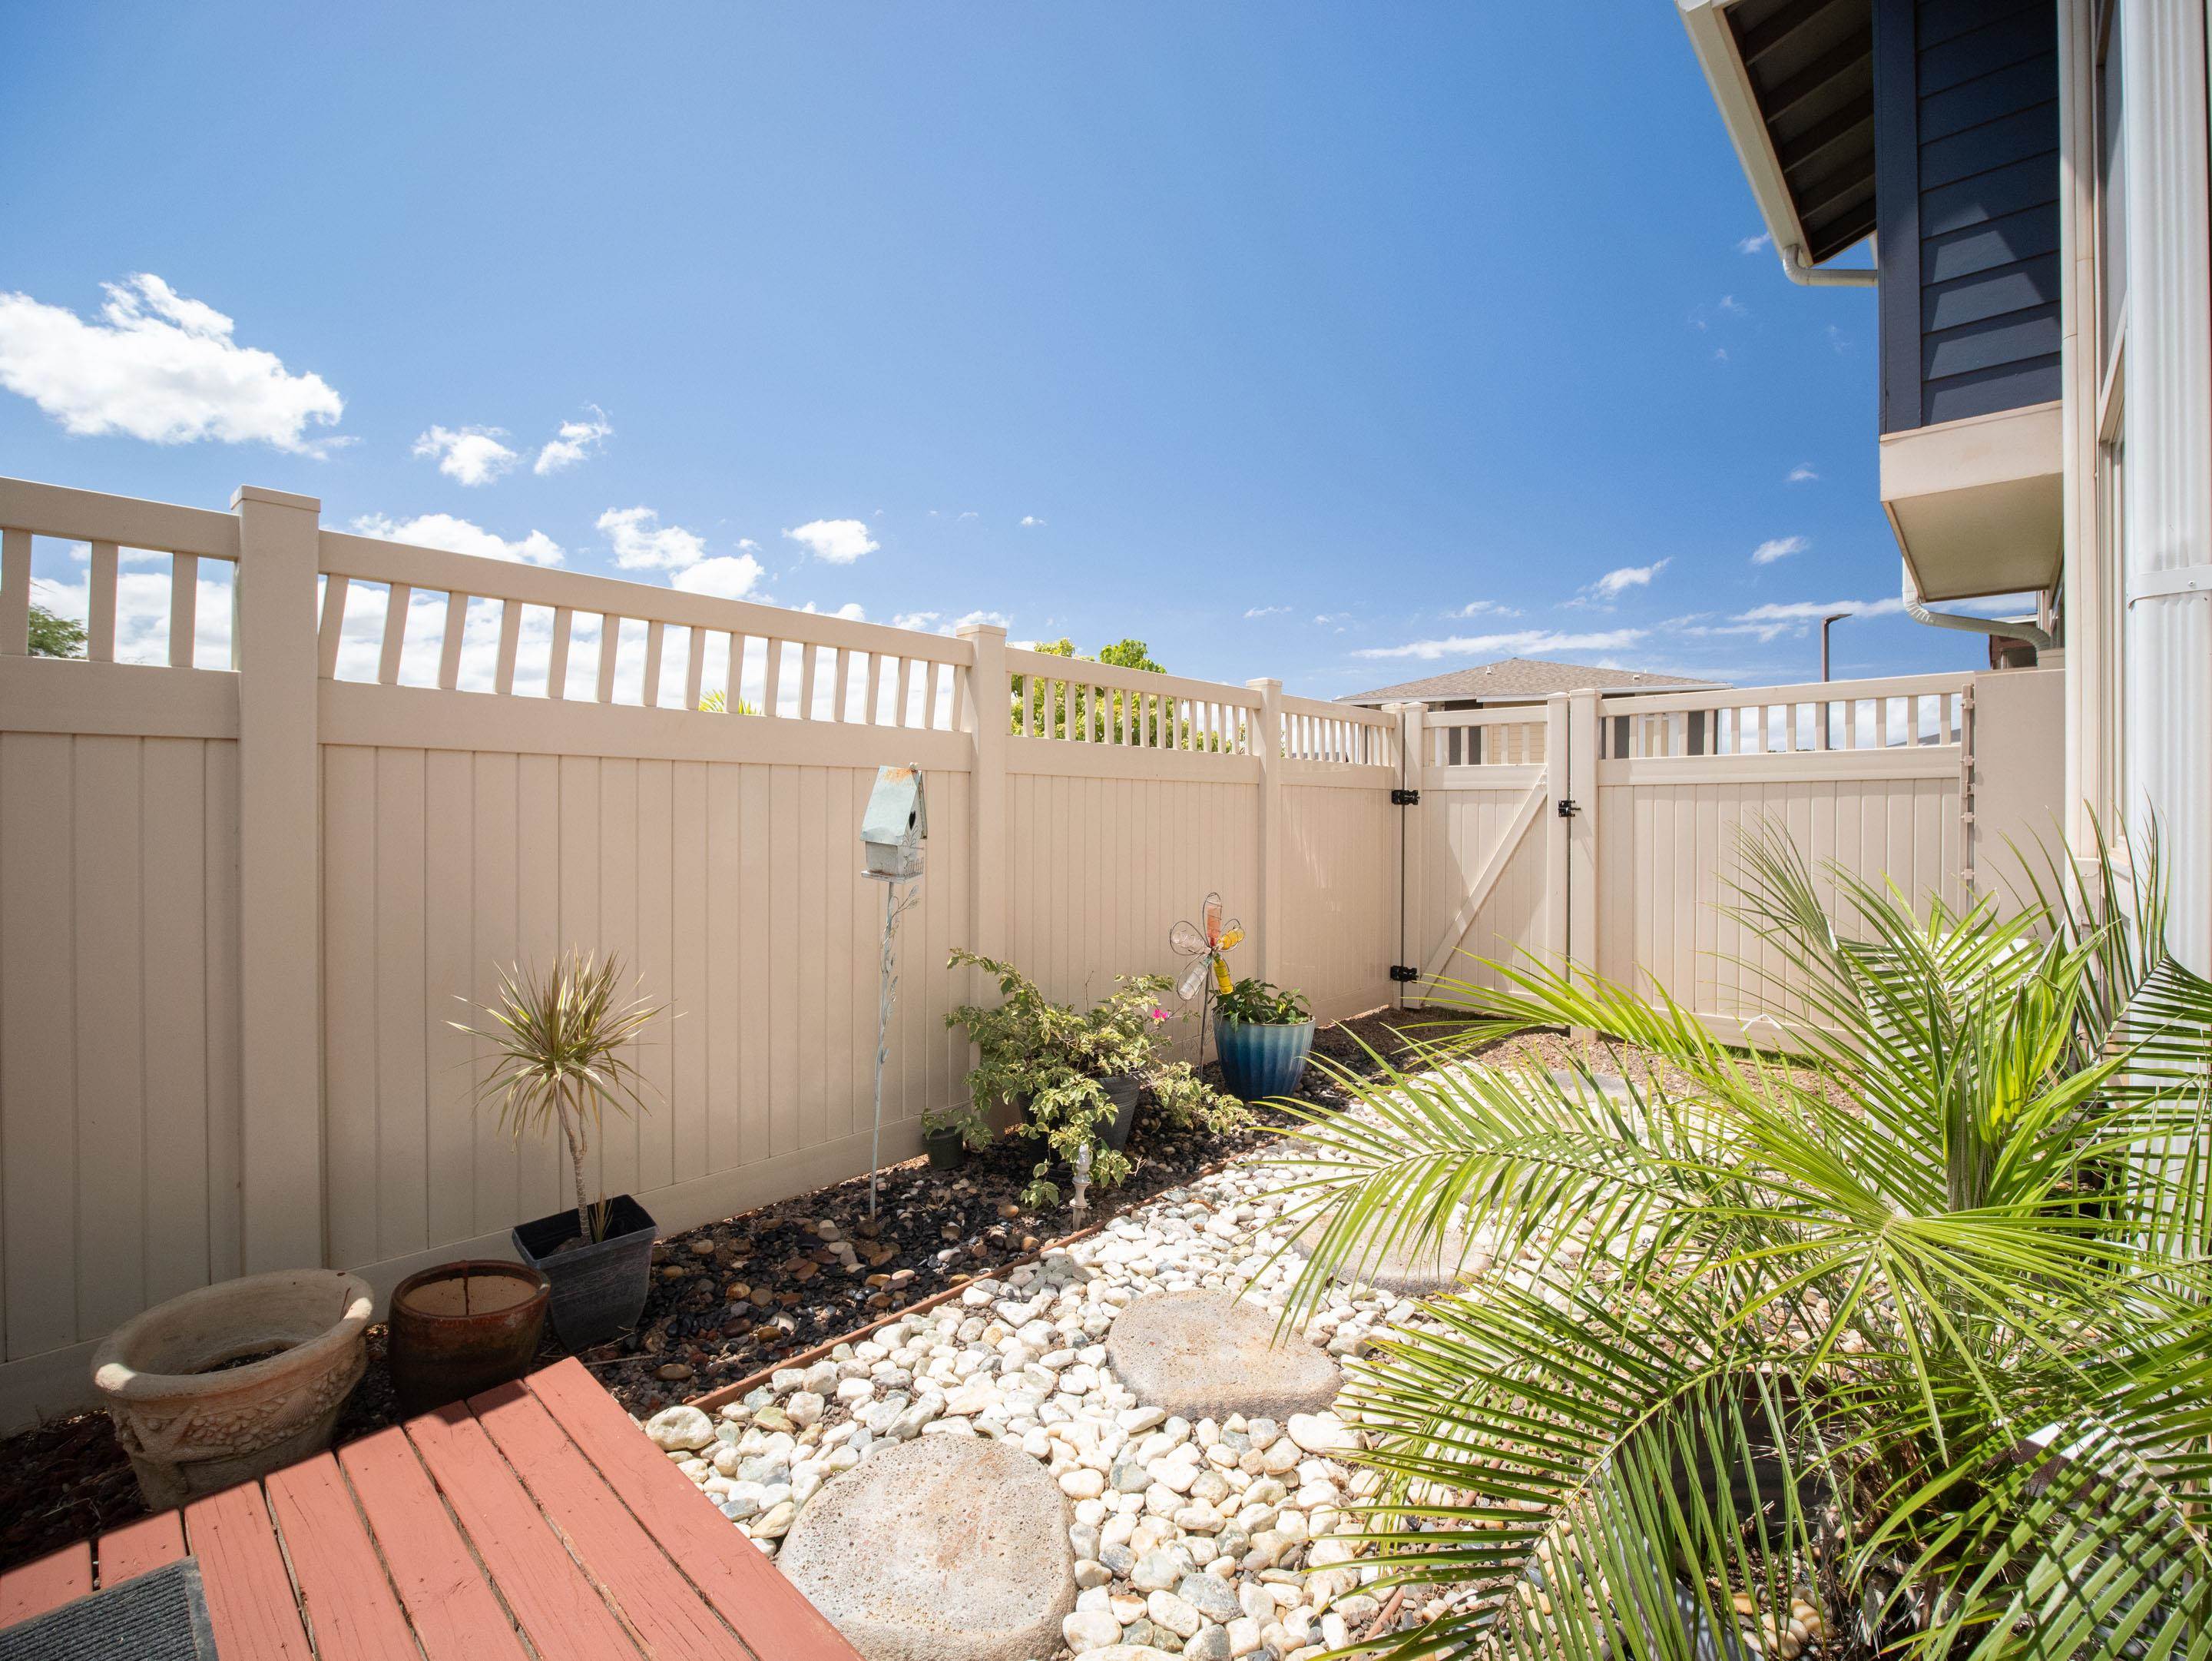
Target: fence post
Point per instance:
(280, 908)
(986, 720)
(1582, 739)
(1558, 786)
(1267, 748)
(1412, 863)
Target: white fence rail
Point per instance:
(310, 789)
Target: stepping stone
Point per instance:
(1207, 1355)
(1403, 1270)
(943, 1549)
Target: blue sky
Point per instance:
(1345, 343)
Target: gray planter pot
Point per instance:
(599, 1290)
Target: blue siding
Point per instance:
(1966, 163)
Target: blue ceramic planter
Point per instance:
(1260, 1059)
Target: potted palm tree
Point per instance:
(557, 1043)
(1262, 1036)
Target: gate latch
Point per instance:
(1404, 971)
(1568, 808)
(1405, 799)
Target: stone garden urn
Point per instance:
(230, 1382)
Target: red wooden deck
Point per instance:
(535, 1509)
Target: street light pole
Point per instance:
(1833, 617)
(1827, 712)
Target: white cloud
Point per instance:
(474, 455)
(1327, 618)
(458, 536)
(1030, 522)
(1776, 548)
(1265, 611)
(748, 544)
(835, 541)
(967, 618)
(1731, 306)
(924, 622)
(1754, 244)
(1771, 622)
(1803, 474)
(1479, 608)
(576, 441)
(160, 368)
(1616, 582)
(1518, 643)
(726, 576)
(641, 542)
(851, 611)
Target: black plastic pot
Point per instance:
(947, 1148)
(1122, 1089)
(599, 1290)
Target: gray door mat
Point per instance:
(161, 1615)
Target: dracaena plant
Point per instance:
(1903, 1320)
(557, 1046)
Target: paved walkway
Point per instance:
(534, 1512)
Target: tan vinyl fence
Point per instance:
(245, 880)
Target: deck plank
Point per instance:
(456, 1615)
(663, 1606)
(560, 1611)
(348, 1604)
(249, 1595)
(771, 1615)
(48, 1583)
(138, 1548)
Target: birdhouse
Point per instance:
(896, 826)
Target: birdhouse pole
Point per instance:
(893, 830)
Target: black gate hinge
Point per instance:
(1404, 971)
(1405, 799)
(1568, 807)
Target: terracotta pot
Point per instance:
(464, 1327)
(230, 1382)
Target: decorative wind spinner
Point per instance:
(1208, 950)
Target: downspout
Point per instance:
(1802, 271)
(2038, 637)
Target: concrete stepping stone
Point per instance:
(943, 1549)
(1208, 1354)
(1404, 1270)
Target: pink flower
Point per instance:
(1158, 1014)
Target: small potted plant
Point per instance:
(1076, 1074)
(1262, 1035)
(948, 1133)
(557, 1045)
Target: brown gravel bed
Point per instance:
(67, 1480)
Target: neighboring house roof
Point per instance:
(1795, 82)
(1512, 679)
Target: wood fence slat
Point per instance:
(138, 1548)
(667, 1612)
(559, 1610)
(249, 1595)
(771, 1615)
(332, 631)
(449, 645)
(655, 633)
(341, 1588)
(455, 1613)
(100, 603)
(48, 1583)
(396, 602)
(15, 592)
(557, 659)
(694, 665)
(184, 608)
(510, 640)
